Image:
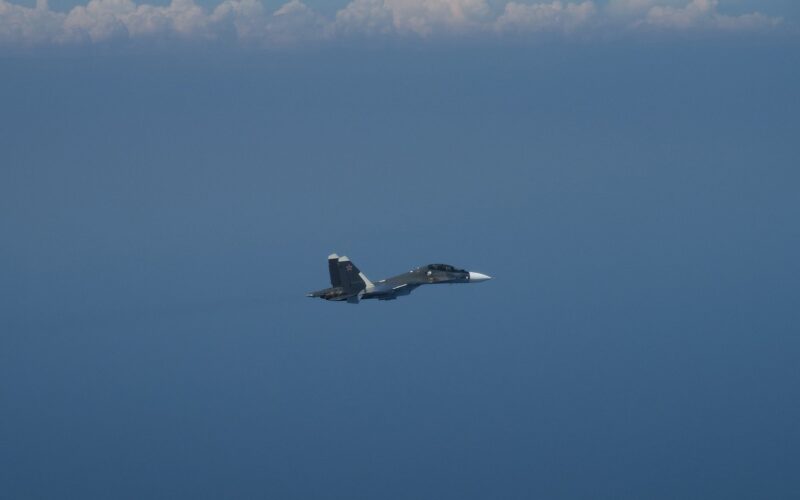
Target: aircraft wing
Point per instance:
(403, 289)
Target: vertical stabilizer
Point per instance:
(333, 269)
(353, 280)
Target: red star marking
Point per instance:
(349, 267)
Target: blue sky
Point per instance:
(165, 207)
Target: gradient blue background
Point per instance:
(162, 217)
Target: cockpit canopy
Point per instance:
(443, 267)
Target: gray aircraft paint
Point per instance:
(349, 284)
(333, 268)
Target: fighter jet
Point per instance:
(349, 284)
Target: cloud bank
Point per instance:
(248, 22)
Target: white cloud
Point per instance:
(413, 17)
(426, 17)
(694, 12)
(702, 14)
(752, 22)
(365, 17)
(23, 25)
(295, 22)
(555, 16)
(249, 22)
(242, 19)
(627, 9)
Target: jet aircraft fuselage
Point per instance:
(349, 284)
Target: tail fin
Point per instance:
(333, 269)
(352, 280)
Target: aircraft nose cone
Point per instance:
(478, 277)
